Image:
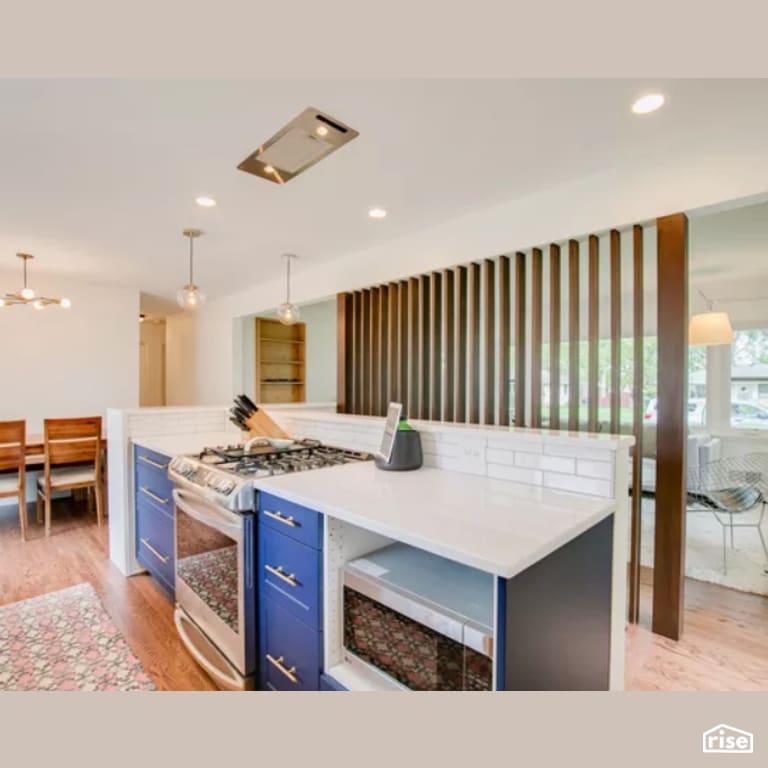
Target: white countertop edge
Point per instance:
(499, 568)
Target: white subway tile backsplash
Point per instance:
(539, 461)
(533, 459)
(517, 443)
(515, 474)
(498, 456)
(600, 469)
(579, 452)
(578, 484)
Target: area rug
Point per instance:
(65, 641)
(746, 563)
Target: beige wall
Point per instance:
(76, 362)
(152, 363)
(180, 360)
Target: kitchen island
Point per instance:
(543, 514)
(550, 554)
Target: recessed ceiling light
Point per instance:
(377, 213)
(321, 130)
(205, 201)
(269, 169)
(648, 103)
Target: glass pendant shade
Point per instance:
(190, 296)
(288, 313)
(710, 329)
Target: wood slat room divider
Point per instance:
(484, 343)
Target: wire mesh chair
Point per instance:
(730, 487)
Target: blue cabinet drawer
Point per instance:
(327, 683)
(154, 542)
(290, 573)
(300, 523)
(291, 651)
(152, 475)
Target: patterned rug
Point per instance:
(65, 641)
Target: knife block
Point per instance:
(261, 425)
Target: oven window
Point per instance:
(207, 563)
(413, 654)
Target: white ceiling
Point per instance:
(99, 177)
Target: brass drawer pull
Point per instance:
(161, 558)
(280, 519)
(155, 464)
(154, 496)
(288, 578)
(289, 673)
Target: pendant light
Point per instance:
(288, 313)
(710, 328)
(190, 296)
(27, 296)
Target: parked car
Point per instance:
(696, 412)
(744, 414)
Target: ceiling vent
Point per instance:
(300, 144)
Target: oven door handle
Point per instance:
(206, 513)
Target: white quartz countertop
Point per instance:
(497, 526)
(191, 442)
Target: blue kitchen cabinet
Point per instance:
(290, 566)
(154, 516)
(327, 683)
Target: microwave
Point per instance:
(422, 620)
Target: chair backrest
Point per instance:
(13, 435)
(72, 441)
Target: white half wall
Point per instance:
(67, 363)
(685, 182)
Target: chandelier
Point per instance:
(27, 296)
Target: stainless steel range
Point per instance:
(215, 580)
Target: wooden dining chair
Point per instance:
(75, 443)
(13, 460)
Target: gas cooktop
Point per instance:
(223, 474)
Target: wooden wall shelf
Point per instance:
(280, 354)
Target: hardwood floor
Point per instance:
(77, 551)
(723, 648)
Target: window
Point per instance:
(749, 380)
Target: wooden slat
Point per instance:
(402, 362)
(425, 310)
(637, 420)
(366, 361)
(344, 353)
(615, 422)
(435, 346)
(375, 350)
(503, 369)
(383, 344)
(393, 344)
(520, 342)
(537, 304)
(357, 352)
(460, 341)
(671, 429)
(594, 332)
(473, 339)
(574, 335)
(489, 340)
(554, 336)
(414, 375)
(448, 330)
